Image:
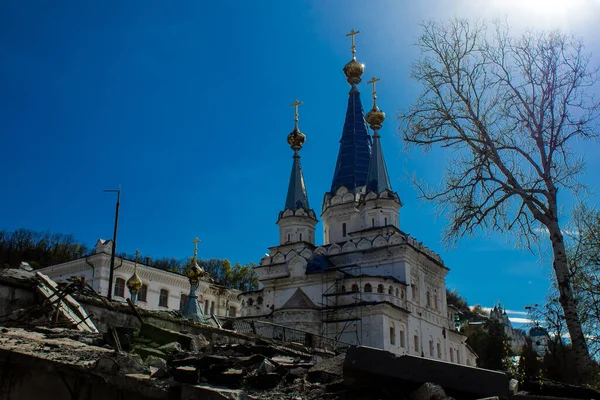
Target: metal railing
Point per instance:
(282, 333)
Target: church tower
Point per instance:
(341, 215)
(297, 220)
(380, 205)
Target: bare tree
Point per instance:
(583, 251)
(509, 109)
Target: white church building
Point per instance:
(369, 283)
(160, 290)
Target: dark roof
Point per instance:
(355, 148)
(299, 300)
(296, 195)
(538, 331)
(318, 263)
(377, 179)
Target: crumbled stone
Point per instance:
(171, 348)
(428, 391)
(266, 367)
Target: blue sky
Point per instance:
(186, 105)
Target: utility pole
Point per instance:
(114, 245)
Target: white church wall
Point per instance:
(156, 280)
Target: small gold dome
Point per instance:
(353, 71)
(134, 283)
(375, 117)
(194, 273)
(296, 139)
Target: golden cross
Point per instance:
(351, 34)
(372, 82)
(296, 104)
(137, 254)
(196, 241)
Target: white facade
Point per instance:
(163, 290)
(400, 304)
(369, 283)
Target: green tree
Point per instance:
(509, 110)
(39, 249)
(489, 343)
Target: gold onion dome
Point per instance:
(353, 71)
(194, 273)
(134, 283)
(296, 139)
(375, 117)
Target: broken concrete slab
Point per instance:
(146, 352)
(206, 392)
(165, 336)
(266, 367)
(264, 382)
(428, 391)
(171, 348)
(187, 375)
(365, 366)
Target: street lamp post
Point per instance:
(114, 244)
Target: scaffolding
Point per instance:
(341, 311)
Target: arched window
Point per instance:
(392, 333)
(344, 229)
(397, 292)
(385, 221)
(250, 302)
(243, 303)
(143, 294)
(430, 346)
(390, 290)
(205, 307)
(415, 291)
(416, 343)
(435, 299)
(182, 301)
(212, 308)
(402, 342)
(368, 288)
(428, 299)
(373, 222)
(380, 288)
(259, 301)
(289, 237)
(439, 349)
(119, 287)
(451, 355)
(163, 298)
(300, 237)
(354, 288)
(402, 294)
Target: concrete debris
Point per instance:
(55, 351)
(428, 391)
(266, 367)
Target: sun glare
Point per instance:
(546, 13)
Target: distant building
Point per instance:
(369, 283)
(516, 336)
(161, 290)
(539, 340)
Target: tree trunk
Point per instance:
(568, 303)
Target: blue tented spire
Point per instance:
(377, 178)
(355, 148)
(296, 195)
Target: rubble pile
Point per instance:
(157, 361)
(66, 342)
